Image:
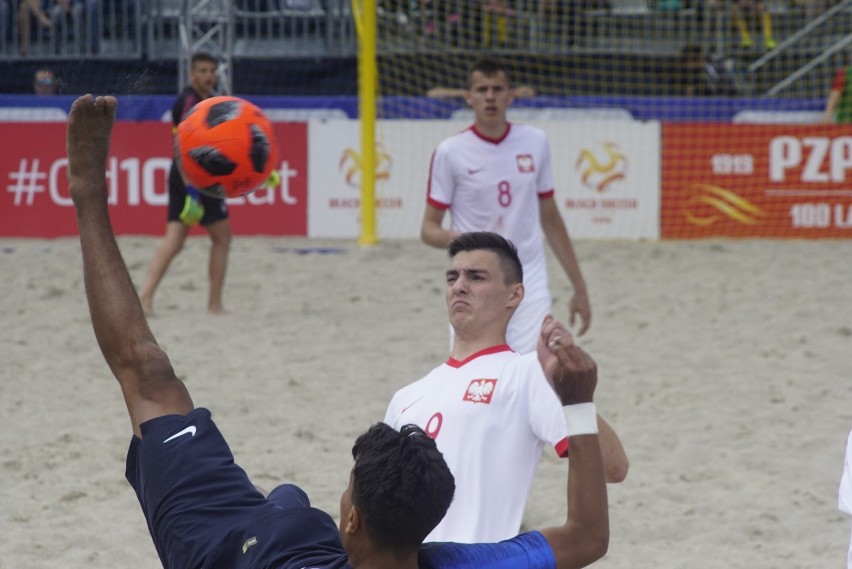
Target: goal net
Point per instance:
(666, 118)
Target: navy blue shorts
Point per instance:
(215, 209)
(203, 511)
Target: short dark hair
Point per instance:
(402, 485)
(203, 56)
(505, 250)
(489, 67)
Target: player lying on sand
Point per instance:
(201, 508)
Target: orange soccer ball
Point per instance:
(225, 147)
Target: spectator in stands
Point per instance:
(44, 82)
(745, 11)
(704, 74)
(83, 16)
(5, 25)
(29, 10)
(702, 9)
(496, 14)
(813, 8)
(838, 107)
(187, 207)
(567, 17)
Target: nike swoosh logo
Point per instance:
(475, 170)
(404, 409)
(187, 431)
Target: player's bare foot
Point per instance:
(89, 127)
(217, 310)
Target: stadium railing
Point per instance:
(133, 29)
(595, 32)
(592, 32)
(102, 29)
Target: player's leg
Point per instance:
(169, 247)
(220, 237)
(766, 22)
(740, 21)
(176, 233)
(289, 496)
(142, 368)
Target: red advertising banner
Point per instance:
(34, 200)
(756, 181)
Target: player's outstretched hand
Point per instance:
(571, 372)
(89, 128)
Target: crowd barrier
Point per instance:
(157, 29)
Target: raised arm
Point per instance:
(557, 237)
(572, 373)
(146, 377)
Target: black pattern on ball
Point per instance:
(212, 160)
(222, 112)
(259, 152)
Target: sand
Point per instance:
(725, 367)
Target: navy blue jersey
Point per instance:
(203, 511)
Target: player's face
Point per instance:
(203, 77)
(489, 97)
(477, 293)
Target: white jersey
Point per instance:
(844, 498)
(490, 416)
(495, 185)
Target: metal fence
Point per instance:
(128, 29)
(802, 32)
(810, 37)
(31, 29)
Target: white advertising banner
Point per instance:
(404, 149)
(606, 175)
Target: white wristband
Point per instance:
(581, 419)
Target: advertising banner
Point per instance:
(607, 177)
(756, 181)
(34, 201)
(403, 150)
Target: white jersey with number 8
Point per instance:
(495, 185)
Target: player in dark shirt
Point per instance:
(188, 207)
(202, 510)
